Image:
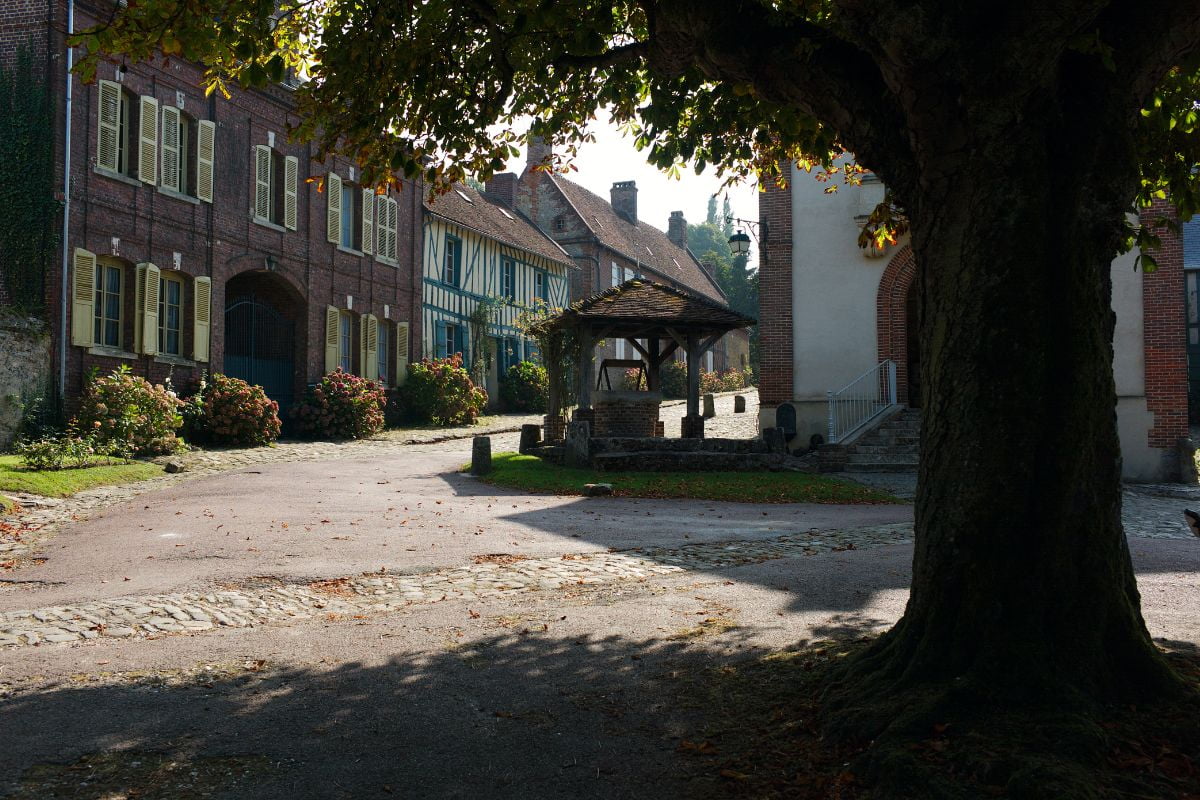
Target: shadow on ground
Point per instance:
(523, 716)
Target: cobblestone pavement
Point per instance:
(494, 576)
(1148, 511)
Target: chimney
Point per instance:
(503, 188)
(709, 264)
(537, 152)
(623, 196)
(677, 229)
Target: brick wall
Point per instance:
(25, 23)
(776, 335)
(298, 270)
(1165, 336)
(891, 315)
(624, 419)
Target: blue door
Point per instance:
(259, 348)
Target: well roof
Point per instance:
(642, 305)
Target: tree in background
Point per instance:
(710, 244)
(1017, 138)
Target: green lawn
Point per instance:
(5, 504)
(66, 482)
(532, 474)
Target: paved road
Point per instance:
(373, 624)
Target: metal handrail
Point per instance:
(861, 401)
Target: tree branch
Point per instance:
(788, 61)
(1163, 34)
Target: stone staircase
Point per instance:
(892, 447)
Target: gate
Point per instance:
(259, 348)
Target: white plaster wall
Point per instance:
(834, 286)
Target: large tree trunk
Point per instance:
(1023, 589)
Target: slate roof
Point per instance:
(640, 302)
(1191, 243)
(638, 241)
(464, 206)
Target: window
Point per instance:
(117, 129)
(541, 286)
(451, 339)
(628, 274)
(108, 306)
(179, 156)
(275, 187)
(351, 214)
(170, 298)
(452, 261)
(387, 212)
(345, 357)
(508, 278)
(382, 353)
(616, 275)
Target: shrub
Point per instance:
(525, 388)
(229, 411)
(440, 391)
(127, 411)
(632, 380)
(674, 380)
(729, 380)
(60, 452)
(341, 406)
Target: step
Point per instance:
(696, 461)
(664, 445)
(899, 449)
(880, 468)
(912, 459)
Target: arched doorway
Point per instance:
(896, 318)
(261, 346)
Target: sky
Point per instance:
(614, 158)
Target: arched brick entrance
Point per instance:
(892, 312)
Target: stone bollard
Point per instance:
(710, 406)
(739, 404)
(481, 455)
(1188, 472)
(578, 445)
(776, 443)
(531, 437)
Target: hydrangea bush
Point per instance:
(440, 391)
(525, 388)
(128, 411)
(341, 406)
(229, 411)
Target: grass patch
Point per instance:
(65, 482)
(6, 504)
(532, 474)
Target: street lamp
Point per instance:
(739, 243)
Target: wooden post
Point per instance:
(653, 375)
(585, 367)
(693, 376)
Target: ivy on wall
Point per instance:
(29, 212)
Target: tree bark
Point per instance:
(1023, 589)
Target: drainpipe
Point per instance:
(66, 225)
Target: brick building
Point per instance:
(831, 312)
(611, 245)
(196, 241)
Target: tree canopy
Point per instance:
(742, 87)
(1016, 137)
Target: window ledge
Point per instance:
(111, 352)
(175, 361)
(350, 251)
(187, 198)
(266, 223)
(388, 261)
(118, 176)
